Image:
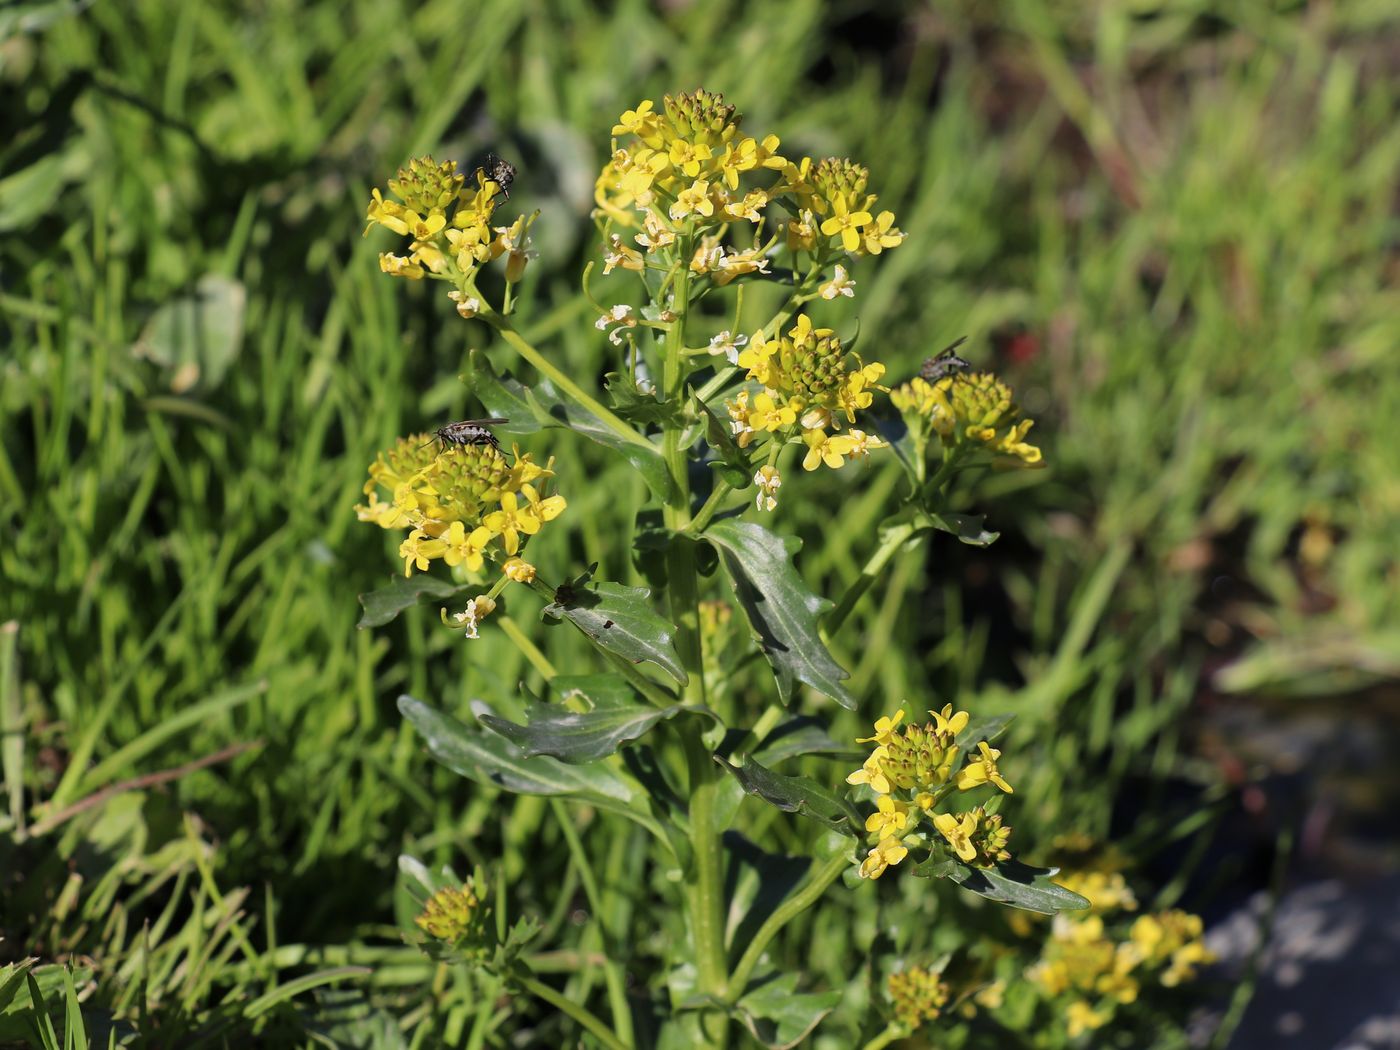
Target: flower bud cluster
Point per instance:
(459, 919)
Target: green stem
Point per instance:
(895, 538)
(702, 517)
(528, 649)
(706, 889)
(547, 368)
(604, 1034)
(892, 1032)
(822, 877)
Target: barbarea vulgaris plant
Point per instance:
(691, 209)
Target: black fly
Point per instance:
(469, 432)
(945, 363)
(499, 171)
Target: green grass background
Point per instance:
(1171, 226)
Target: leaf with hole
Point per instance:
(621, 620)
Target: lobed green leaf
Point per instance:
(800, 795)
(780, 608)
(384, 605)
(620, 620)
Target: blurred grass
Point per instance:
(1173, 228)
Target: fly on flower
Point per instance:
(499, 171)
(945, 362)
(469, 432)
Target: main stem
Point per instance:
(823, 876)
(706, 890)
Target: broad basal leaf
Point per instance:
(778, 1015)
(780, 608)
(620, 620)
(795, 795)
(385, 604)
(573, 736)
(1020, 886)
(530, 408)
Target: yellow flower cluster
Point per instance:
(918, 995)
(688, 165)
(969, 410)
(1096, 973)
(812, 383)
(449, 246)
(1087, 969)
(459, 503)
(911, 770)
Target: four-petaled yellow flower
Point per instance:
(511, 520)
(884, 729)
(418, 550)
(884, 853)
(982, 771)
(846, 223)
(890, 817)
(830, 449)
(872, 773)
(958, 833)
(695, 198)
(463, 548)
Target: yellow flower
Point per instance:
(688, 156)
(510, 521)
(882, 234)
(890, 818)
(519, 570)
(828, 449)
(958, 833)
(846, 223)
(546, 509)
(769, 415)
(1081, 1018)
(641, 121)
(884, 729)
(418, 550)
(884, 853)
(462, 548)
(872, 773)
(982, 771)
(948, 721)
(399, 266)
(695, 198)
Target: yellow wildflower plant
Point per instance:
(462, 504)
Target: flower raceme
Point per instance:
(911, 769)
(810, 383)
(448, 222)
(461, 505)
(969, 410)
(690, 164)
